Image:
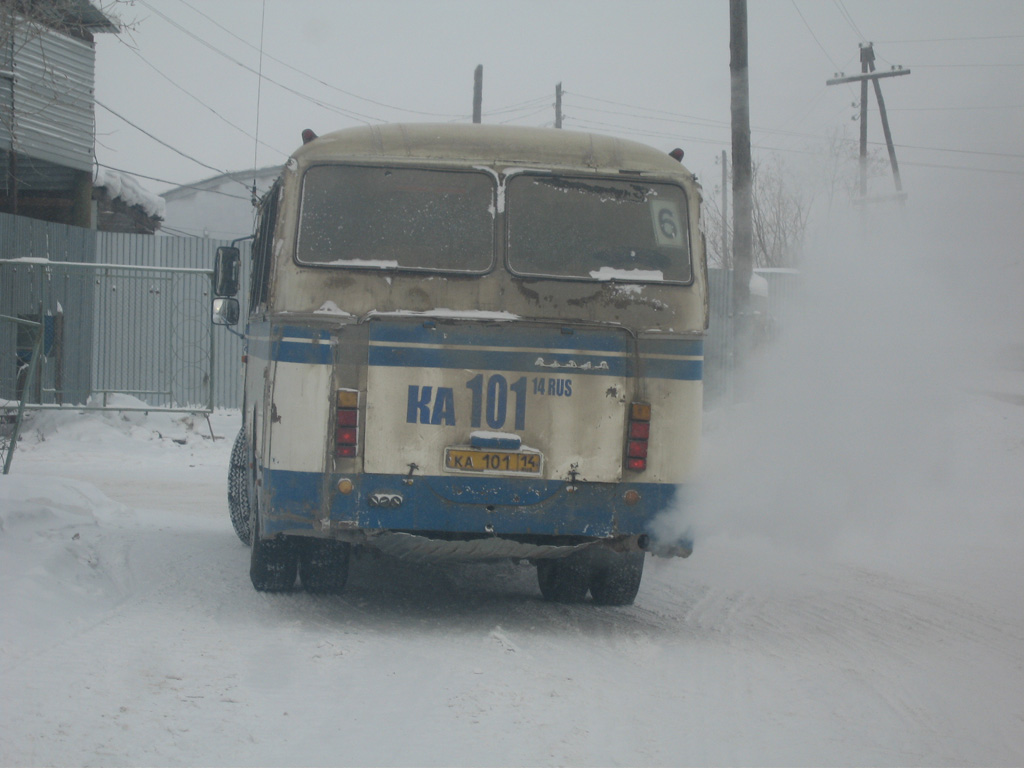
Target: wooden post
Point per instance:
(478, 92)
(865, 52)
(725, 210)
(885, 126)
(742, 194)
(558, 106)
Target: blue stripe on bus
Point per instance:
(303, 352)
(510, 505)
(677, 370)
(688, 347)
(544, 362)
(461, 350)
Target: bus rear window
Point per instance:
(396, 218)
(597, 229)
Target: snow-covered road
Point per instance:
(131, 635)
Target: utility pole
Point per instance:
(478, 92)
(558, 106)
(742, 195)
(725, 209)
(868, 73)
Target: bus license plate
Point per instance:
(472, 460)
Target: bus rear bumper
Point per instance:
(494, 517)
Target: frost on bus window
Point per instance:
(598, 229)
(396, 218)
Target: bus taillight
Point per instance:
(638, 434)
(346, 426)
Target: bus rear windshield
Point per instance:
(598, 229)
(396, 218)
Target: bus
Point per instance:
(469, 342)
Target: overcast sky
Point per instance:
(657, 72)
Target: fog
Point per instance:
(867, 428)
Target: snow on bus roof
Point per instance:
(477, 144)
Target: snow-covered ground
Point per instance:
(131, 634)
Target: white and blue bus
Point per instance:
(469, 341)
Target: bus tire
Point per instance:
(564, 580)
(323, 566)
(275, 562)
(615, 578)
(238, 488)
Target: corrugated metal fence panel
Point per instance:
(53, 96)
(184, 322)
(22, 238)
(150, 329)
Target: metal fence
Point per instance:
(120, 314)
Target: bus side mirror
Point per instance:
(225, 311)
(226, 268)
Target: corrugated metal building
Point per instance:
(47, 117)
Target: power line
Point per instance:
(849, 19)
(169, 181)
(951, 39)
(312, 77)
(1001, 171)
(804, 20)
(520, 106)
(959, 151)
(365, 119)
(961, 66)
(954, 109)
(158, 140)
(796, 134)
(545, 108)
(698, 120)
(198, 100)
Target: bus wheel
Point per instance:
(274, 563)
(238, 488)
(564, 580)
(323, 566)
(615, 578)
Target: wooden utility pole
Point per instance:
(867, 69)
(742, 194)
(558, 106)
(478, 92)
(863, 126)
(725, 209)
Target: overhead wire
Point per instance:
(176, 184)
(308, 75)
(157, 139)
(545, 108)
(849, 19)
(963, 66)
(822, 47)
(199, 101)
(357, 116)
(952, 39)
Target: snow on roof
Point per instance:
(122, 187)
